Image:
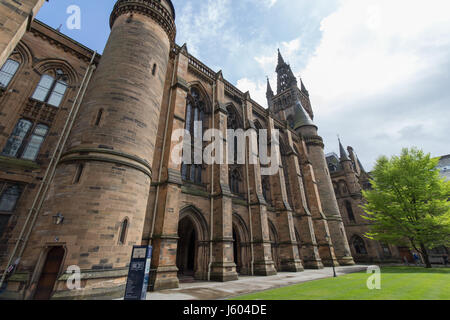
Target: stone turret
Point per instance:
(309, 131)
(102, 182)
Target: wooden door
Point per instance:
(49, 274)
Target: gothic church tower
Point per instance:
(293, 105)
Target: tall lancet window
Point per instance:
(51, 88)
(235, 174)
(7, 72)
(195, 122)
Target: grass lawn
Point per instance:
(397, 283)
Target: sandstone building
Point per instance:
(349, 179)
(86, 167)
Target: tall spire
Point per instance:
(269, 92)
(286, 78)
(280, 60)
(303, 88)
(343, 155)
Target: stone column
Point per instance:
(262, 252)
(289, 255)
(328, 200)
(303, 219)
(223, 267)
(163, 230)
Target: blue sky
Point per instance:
(377, 70)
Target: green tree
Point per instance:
(409, 202)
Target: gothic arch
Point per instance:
(203, 92)
(198, 219)
(359, 245)
(241, 238)
(22, 54)
(49, 65)
(234, 112)
(258, 124)
(192, 250)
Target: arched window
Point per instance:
(195, 120)
(123, 232)
(233, 123)
(7, 72)
(22, 144)
(235, 180)
(359, 245)
(51, 89)
(348, 207)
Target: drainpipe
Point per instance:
(252, 262)
(49, 173)
(172, 83)
(212, 192)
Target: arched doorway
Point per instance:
(241, 245)
(187, 247)
(49, 274)
(193, 245)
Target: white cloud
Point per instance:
(375, 76)
(373, 58)
(371, 46)
(257, 89)
(202, 22)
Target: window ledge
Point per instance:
(18, 163)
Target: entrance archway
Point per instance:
(193, 244)
(186, 251)
(49, 274)
(241, 245)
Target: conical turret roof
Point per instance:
(302, 118)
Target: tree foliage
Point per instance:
(409, 202)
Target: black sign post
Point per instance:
(138, 273)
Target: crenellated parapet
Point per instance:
(151, 8)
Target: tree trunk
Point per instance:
(425, 256)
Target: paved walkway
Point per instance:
(245, 285)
